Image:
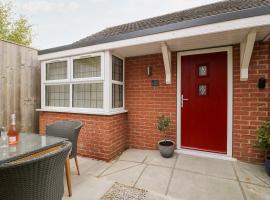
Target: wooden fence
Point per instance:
(19, 86)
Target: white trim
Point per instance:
(45, 82)
(107, 82)
(205, 154)
(246, 49)
(118, 83)
(82, 111)
(44, 73)
(188, 32)
(102, 65)
(166, 54)
(229, 101)
(229, 93)
(70, 95)
(106, 79)
(71, 81)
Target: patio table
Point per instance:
(29, 144)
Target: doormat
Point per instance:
(123, 192)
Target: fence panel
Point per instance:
(19, 86)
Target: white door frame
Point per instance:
(227, 156)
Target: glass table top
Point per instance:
(29, 143)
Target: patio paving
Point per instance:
(181, 177)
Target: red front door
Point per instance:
(204, 102)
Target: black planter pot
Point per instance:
(267, 166)
(166, 148)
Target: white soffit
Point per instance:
(200, 31)
(195, 42)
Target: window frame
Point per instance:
(44, 72)
(102, 66)
(71, 81)
(81, 108)
(54, 84)
(105, 78)
(117, 82)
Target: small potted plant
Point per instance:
(263, 143)
(166, 147)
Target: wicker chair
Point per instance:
(38, 178)
(69, 130)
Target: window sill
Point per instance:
(74, 111)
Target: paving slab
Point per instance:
(154, 158)
(155, 179)
(127, 176)
(89, 166)
(134, 155)
(119, 166)
(156, 196)
(207, 166)
(195, 177)
(88, 188)
(256, 192)
(192, 186)
(251, 173)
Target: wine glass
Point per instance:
(4, 138)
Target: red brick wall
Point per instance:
(102, 137)
(251, 105)
(145, 102)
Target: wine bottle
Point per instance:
(13, 133)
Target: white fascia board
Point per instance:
(188, 32)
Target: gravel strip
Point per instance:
(123, 192)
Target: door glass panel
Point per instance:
(202, 70)
(202, 90)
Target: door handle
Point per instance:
(182, 100)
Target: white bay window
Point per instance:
(87, 95)
(57, 95)
(56, 70)
(117, 82)
(79, 85)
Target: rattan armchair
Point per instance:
(69, 130)
(38, 178)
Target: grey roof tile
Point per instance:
(166, 22)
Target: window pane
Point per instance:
(57, 95)
(56, 70)
(87, 67)
(88, 95)
(117, 99)
(117, 69)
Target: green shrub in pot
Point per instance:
(166, 146)
(263, 143)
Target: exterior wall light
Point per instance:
(149, 70)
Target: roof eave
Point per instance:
(253, 12)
